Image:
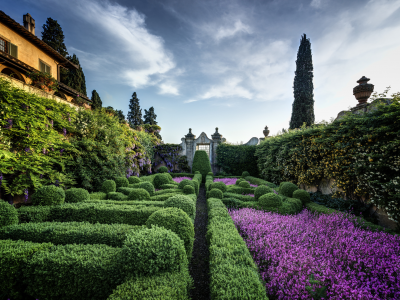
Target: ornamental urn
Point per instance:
(266, 131)
(363, 90)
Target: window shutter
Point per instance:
(41, 66)
(47, 69)
(13, 50)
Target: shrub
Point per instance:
(287, 189)
(133, 179)
(153, 250)
(239, 180)
(168, 186)
(139, 194)
(270, 200)
(218, 185)
(185, 182)
(167, 191)
(243, 198)
(121, 182)
(196, 172)
(148, 187)
(163, 169)
(109, 186)
(215, 193)
(210, 174)
(160, 179)
(183, 202)
(188, 189)
(124, 190)
(134, 185)
(244, 184)
(261, 190)
(8, 214)
(75, 195)
(176, 220)
(98, 196)
(245, 174)
(48, 195)
(302, 195)
(201, 163)
(258, 181)
(117, 196)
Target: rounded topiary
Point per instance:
(124, 190)
(188, 189)
(160, 179)
(121, 182)
(302, 195)
(210, 173)
(239, 180)
(287, 189)
(163, 169)
(139, 194)
(183, 202)
(270, 200)
(8, 214)
(176, 220)
(48, 195)
(168, 186)
(185, 182)
(196, 172)
(261, 190)
(215, 193)
(75, 195)
(201, 163)
(148, 187)
(108, 186)
(117, 196)
(245, 174)
(218, 185)
(134, 179)
(150, 251)
(244, 184)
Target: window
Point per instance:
(44, 67)
(13, 50)
(3, 45)
(9, 48)
(205, 147)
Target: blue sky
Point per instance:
(226, 64)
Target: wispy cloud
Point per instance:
(167, 88)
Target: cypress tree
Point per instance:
(53, 36)
(135, 112)
(96, 101)
(75, 78)
(303, 104)
(120, 115)
(150, 116)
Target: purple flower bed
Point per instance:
(179, 179)
(351, 263)
(230, 181)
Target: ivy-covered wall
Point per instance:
(169, 155)
(44, 142)
(235, 159)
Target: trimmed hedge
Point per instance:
(163, 169)
(148, 178)
(160, 179)
(243, 198)
(209, 181)
(302, 195)
(148, 187)
(167, 191)
(187, 189)
(133, 180)
(287, 189)
(182, 175)
(185, 182)
(134, 185)
(75, 195)
(261, 190)
(121, 182)
(63, 233)
(139, 194)
(117, 196)
(109, 186)
(240, 190)
(129, 202)
(168, 186)
(98, 196)
(124, 190)
(8, 214)
(245, 174)
(183, 202)
(234, 159)
(164, 197)
(258, 181)
(197, 179)
(215, 193)
(218, 185)
(201, 163)
(48, 195)
(233, 273)
(244, 184)
(270, 201)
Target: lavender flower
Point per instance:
(41, 176)
(48, 108)
(26, 195)
(57, 183)
(44, 151)
(1, 178)
(61, 151)
(27, 149)
(51, 123)
(10, 123)
(179, 179)
(64, 132)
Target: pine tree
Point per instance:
(303, 104)
(75, 78)
(150, 116)
(53, 36)
(96, 101)
(120, 115)
(135, 112)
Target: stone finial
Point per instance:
(363, 90)
(216, 135)
(266, 131)
(190, 135)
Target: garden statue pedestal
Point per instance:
(363, 90)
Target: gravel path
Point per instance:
(198, 266)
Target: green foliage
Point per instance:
(121, 182)
(154, 250)
(303, 104)
(244, 184)
(243, 198)
(183, 202)
(148, 187)
(218, 185)
(168, 186)
(233, 273)
(149, 116)
(302, 195)
(162, 169)
(240, 190)
(176, 220)
(261, 190)
(169, 154)
(245, 174)
(185, 182)
(98, 196)
(270, 201)
(117, 196)
(48, 195)
(96, 100)
(163, 197)
(63, 233)
(287, 189)
(315, 291)
(215, 193)
(13, 255)
(135, 112)
(75, 195)
(234, 159)
(201, 163)
(108, 186)
(239, 181)
(8, 214)
(75, 78)
(162, 178)
(124, 190)
(258, 181)
(133, 180)
(188, 189)
(139, 194)
(53, 36)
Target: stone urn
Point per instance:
(266, 131)
(363, 90)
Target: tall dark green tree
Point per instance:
(53, 36)
(135, 112)
(120, 115)
(96, 101)
(75, 78)
(150, 116)
(303, 104)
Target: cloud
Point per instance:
(229, 88)
(166, 88)
(190, 100)
(230, 31)
(315, 3)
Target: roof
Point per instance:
(21, 30)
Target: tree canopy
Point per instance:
(150, 116)
(135, 112)
(53, 36)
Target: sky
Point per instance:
(224, 63)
